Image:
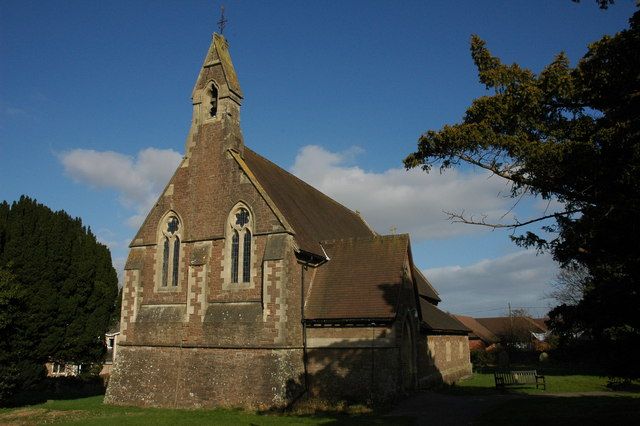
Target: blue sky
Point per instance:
(94, 99)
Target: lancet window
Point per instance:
(241, 245)
(170, 234)
(213, 100)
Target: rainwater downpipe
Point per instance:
(303, 267)
(305, 359)
(304, 331)
(373, 360)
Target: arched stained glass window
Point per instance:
(165, 261)
(176, 261)
(170, 245)
(246, 257)
(240, 240)
(235, 249)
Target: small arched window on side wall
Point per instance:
(246, 257)
(240, 221)
(235, 250)
(170, 234)
(213, 100)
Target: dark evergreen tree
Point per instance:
(571, 134)
(57, 290)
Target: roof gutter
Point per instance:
(348, 322)
(439, 331)
(311, 259)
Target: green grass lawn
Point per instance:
(558, 383)
(91, 411)
(528, 407)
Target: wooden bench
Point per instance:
(518, 378)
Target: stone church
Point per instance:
(245, 286)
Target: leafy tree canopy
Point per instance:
(57, 288)
(571, 134)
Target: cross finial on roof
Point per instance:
(223, 21)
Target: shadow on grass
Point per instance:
(339, 412)
(624, 385)
(345, 419)
(556, 410)
(457, 390)
(58, 388)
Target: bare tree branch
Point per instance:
(570, 284)
(509, 172)
(460, 218)
(493, 169)
(526, 189)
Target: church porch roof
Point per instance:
(362, 279)
(433, 319)
(477, 329)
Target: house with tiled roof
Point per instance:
(480, 337)
(245, 286)
(522, 331)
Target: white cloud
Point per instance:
(411, 201)
(135, 221)
(117, 247)
(485, 288)
(108, 238)
(118, 264)
(138, 181)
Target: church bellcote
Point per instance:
(217, 98)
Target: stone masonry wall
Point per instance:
(354, 374)
(443, 358)
(353, 363)
(209, 347)
(205, 377)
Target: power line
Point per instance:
(504, 308)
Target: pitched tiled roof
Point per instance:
(361, 280)
(314, 216)
(363, 277)
(501, 326)
(437, 320)
(425, 288)
(477, 329)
